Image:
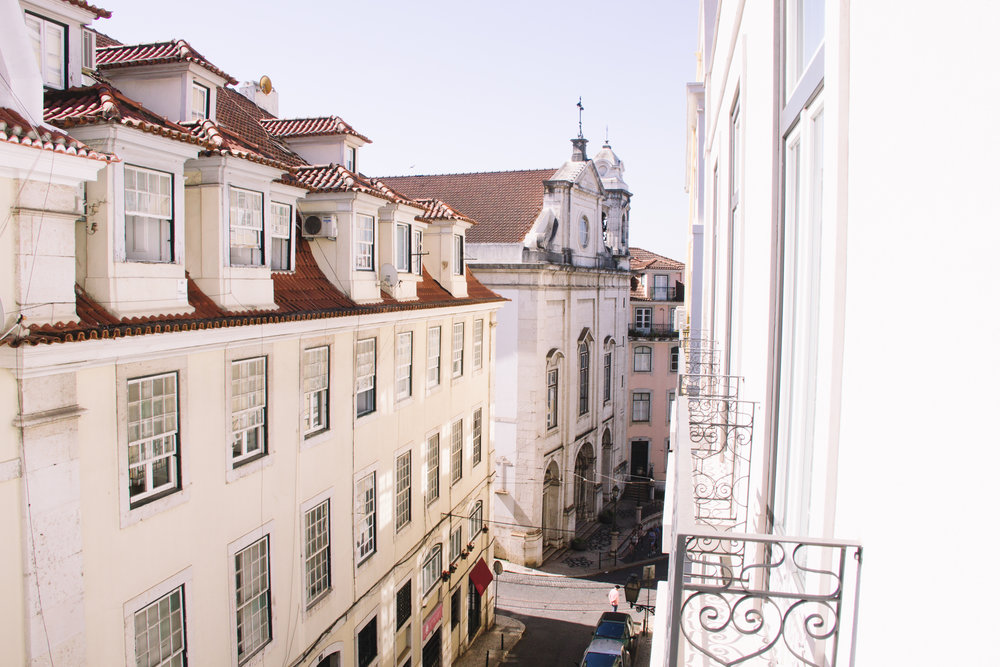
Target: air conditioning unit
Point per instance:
(322, 225)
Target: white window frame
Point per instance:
(418, 249)
(175, 621)
(477, 436)
(282, 243)
(317, 552)
(584, 359)
(671, 399)
(608, 376)
(477, 344)
(365, 246)
(246, 605)
(316, 389)
(648, 354)
(246, 227)
(643, 318)
(457, 449)
(431, 568)
(433, 356)
(476, 519)
(364, 384)
(201, 98)
(156, 437)
(249, 415)
(552, 398)
(88, 50)
(458, 266)
(661, 292)
(404, 489)
(675, 359)
(404, 365)
(455, 544)
(402, 242)
(432, 483)
(181, 580)
(637, 402)
(457, 349)
(365, 517)
(148, 212)
(48, 45)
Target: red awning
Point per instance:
(481, 576)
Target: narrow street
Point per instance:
(559, 614)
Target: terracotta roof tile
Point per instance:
(101, 103)
(96, 11)
(135, 55)
(310, 127)
(303, 294)
(337, 178)
(14, 129)
(222, 141)
(641, 260)
(104, 40)
(438, 210)
(504, 203)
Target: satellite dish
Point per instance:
(389, 274)
(313, 225)
(265, 84)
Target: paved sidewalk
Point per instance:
(506, 631)
(634, 548)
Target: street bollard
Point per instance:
(487, 658)
(501, 641)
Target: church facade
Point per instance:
(555, 243)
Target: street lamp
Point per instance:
(632, 589)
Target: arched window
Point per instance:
(642, 359)
(584, 231)
(584, 378)
(433, 565)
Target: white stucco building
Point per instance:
(244, 418)
(815, 447)
(554, 242)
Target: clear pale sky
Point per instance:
(443, 86)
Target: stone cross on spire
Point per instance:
(579, 105)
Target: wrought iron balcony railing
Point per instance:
(653, 331)
(668, 293)
(735, 596)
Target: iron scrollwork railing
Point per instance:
(781, 604)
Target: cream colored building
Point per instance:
(557, 246)
(245, 395)
(829, 454)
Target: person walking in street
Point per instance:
(614, 597)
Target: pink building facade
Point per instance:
(657, 294)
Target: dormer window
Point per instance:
(458, 268)
(365, 259)
(403, 248)
(88, 53)
(352, 159)
(199, 102)
(246, 227)
(149, 220)
(418, 248)
(281, 237)
(49, 41)
(660, 287)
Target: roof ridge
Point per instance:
(473, 173)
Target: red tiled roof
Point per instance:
(338, 178)
(134, 55)
(310, 127)
(96, 11)
(504, 203)
(641, 260)
(223, 141)
(14, 129)
(101, 103)
(104, 40)
(438, 210)
(304, 294)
